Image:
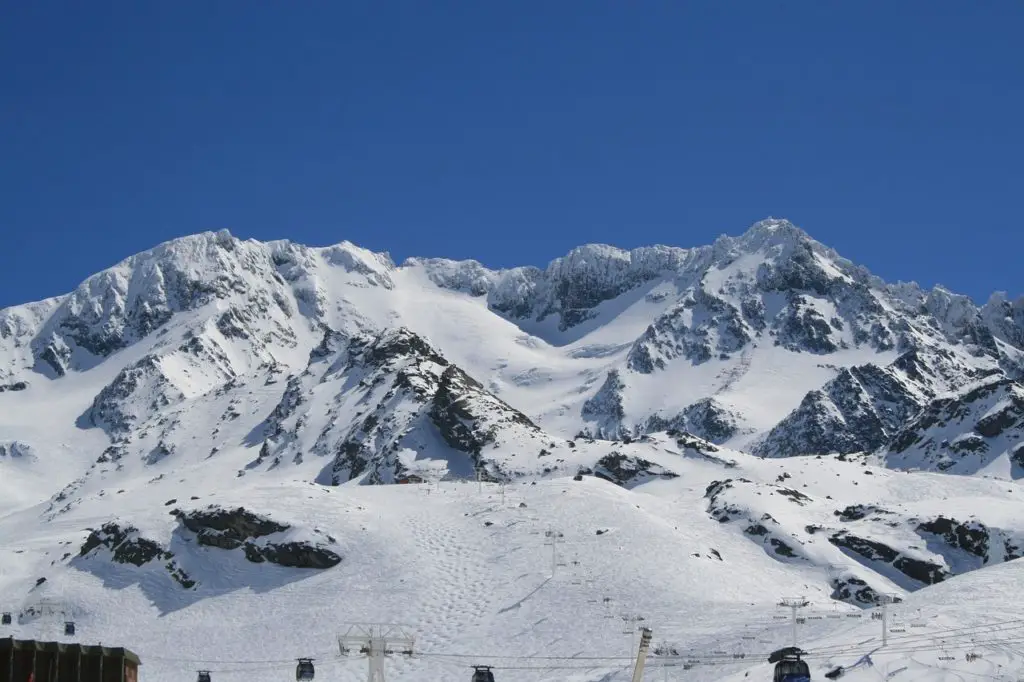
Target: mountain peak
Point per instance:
(774, 231)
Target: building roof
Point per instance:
(68, 647)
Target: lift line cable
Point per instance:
(897, 644)
(939, 634)
(991, 628)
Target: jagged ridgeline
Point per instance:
(769, 343)
(774, 391)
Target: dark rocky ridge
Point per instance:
(236, 528)
(918, 570)
(126, 546)
(627, 471)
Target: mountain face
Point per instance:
(603, 342)
(224, 363)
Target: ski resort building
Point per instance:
(27, 660)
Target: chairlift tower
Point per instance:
(641, 656)
(552, 537)
(884, 601)
(376, 641)
(794, 604)
(630, 628)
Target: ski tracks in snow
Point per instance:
(460, 596)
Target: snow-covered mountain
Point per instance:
(772, 412)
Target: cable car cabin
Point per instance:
(304, 670)
(204, 676)
(69, 629)
(24, 659)
(5, 619)
(792, 670)
(482, 673)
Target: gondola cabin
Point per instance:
(789, 666)
(28, 659)
(304, 670)
(482, 673)
(792, 670)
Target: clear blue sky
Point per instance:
(511, 131)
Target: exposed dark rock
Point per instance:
(700, 326)
(1017, 455)
(859, 410)
(239, 528)
(802, 328)
(605, 406)
(922, 571)
(856, 512)
(456, 411)
(782, 549)
(854, 590)
(226, 528)
(988, 418)
(232, 324)
(57, 357)
(628, 471)
(115, 408)
(971, 536)
(706, 419)
(400, 344)
(16, 449)
(126, 546)
(292, 555)
(794, 495)
(15, 386)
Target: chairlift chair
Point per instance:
(304, 670)
(482, 673)
(204, 676)
(69, 629)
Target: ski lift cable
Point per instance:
(931, 647)
(331, 655)
(912, 642)
(993, 628)
(915, 642)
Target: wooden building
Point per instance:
(26, 660)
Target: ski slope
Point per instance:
(466, 567)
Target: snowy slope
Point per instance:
(753, 419)
(466, 567)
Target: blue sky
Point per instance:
(511, 131)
